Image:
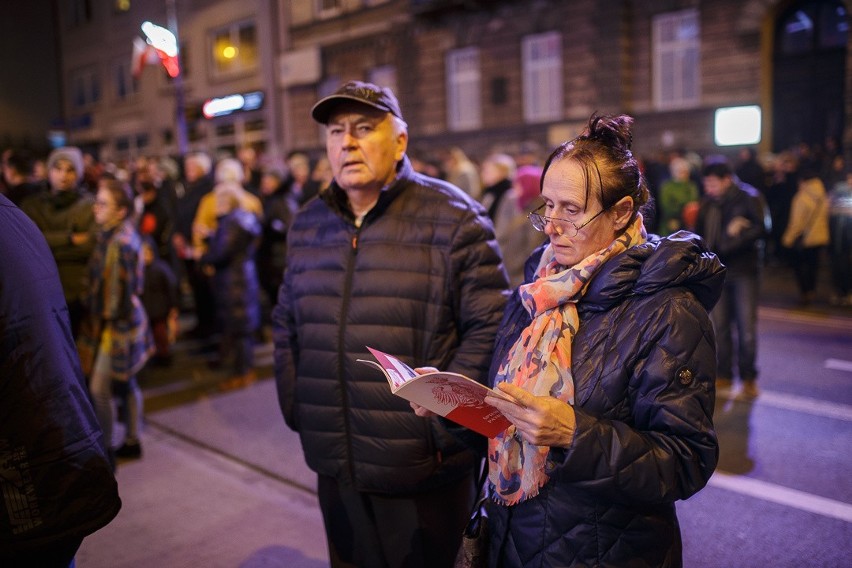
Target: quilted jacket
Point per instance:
(644, 365)
(421, 279)
(56, 484)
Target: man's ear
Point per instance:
(402, 145)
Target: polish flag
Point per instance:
(143, 54)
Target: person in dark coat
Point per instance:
(160, 297)
(607, 350)
(57, 485)
(278, 210)
(230, 261)
(406, 264)
(64, 215)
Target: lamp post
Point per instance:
(165, 42)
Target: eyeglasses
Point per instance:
(539, 222)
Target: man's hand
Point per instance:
(540, 420)
(737, 226)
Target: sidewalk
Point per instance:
(222, 483)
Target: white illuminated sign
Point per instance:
(222, 106)
(737, 126)
(160, 38)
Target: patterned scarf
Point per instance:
(540, 360)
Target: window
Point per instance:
(121, 6)
(384, 76)
(126, 84)
(85, 87)
(542, 67)
(235, 49)
(327, 8)
(677, 77)
(464, 106)
(813, 26)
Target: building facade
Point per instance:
(482, 75)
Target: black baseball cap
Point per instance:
(361, 92)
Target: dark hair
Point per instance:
(120, 192)
(717, 166)
(603, 153)
(20, 161)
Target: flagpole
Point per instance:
(180, 116)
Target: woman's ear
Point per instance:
(623, 212)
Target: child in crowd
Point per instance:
(161, 301)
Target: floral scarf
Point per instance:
(540, 360)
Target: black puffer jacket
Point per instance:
(56, 484)
(421, 279)
(644, 365)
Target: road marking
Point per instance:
(793, 316)
(782, 495)
(807, 405)
(838, 365)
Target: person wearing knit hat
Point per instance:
(74, 158)
(65, 216)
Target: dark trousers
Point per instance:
(737, 306)
(160, 331)
(805, 267)
(366, 530)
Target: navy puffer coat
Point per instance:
(56, 484)
(644, 367)
(421, 279)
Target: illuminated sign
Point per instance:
(223, 106)
(737, 126)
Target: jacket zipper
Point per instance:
(341, 351)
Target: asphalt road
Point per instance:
(223, 483)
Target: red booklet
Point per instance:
(451, 395)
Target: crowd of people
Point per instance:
(586, 287)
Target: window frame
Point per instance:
(548, 103)
(464, 89)
(683, 53)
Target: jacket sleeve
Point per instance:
(286, 352)
(666, 448)
(481, 293)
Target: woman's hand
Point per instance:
(540, 420)
(422, 411)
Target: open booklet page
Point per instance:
(451, 395)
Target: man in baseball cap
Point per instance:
(406, 264)
(366, 93)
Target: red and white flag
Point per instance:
(143, 54)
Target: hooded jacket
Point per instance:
(644, 365)
(420, 279)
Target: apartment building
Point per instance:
(227, 86)
(480, 74)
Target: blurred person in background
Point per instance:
(229, 261)
(252, 172)
(462, 172)
(498, 171)
(676, 194)
(161, 301)
(116, 340)
(278, 210)
(298, 182)
(807, 234)
(17, 171)
(64, 216)
(57, 485)
(750, 171)
(840, 237)
(733, 223)
(515, 234)
(197, 183)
